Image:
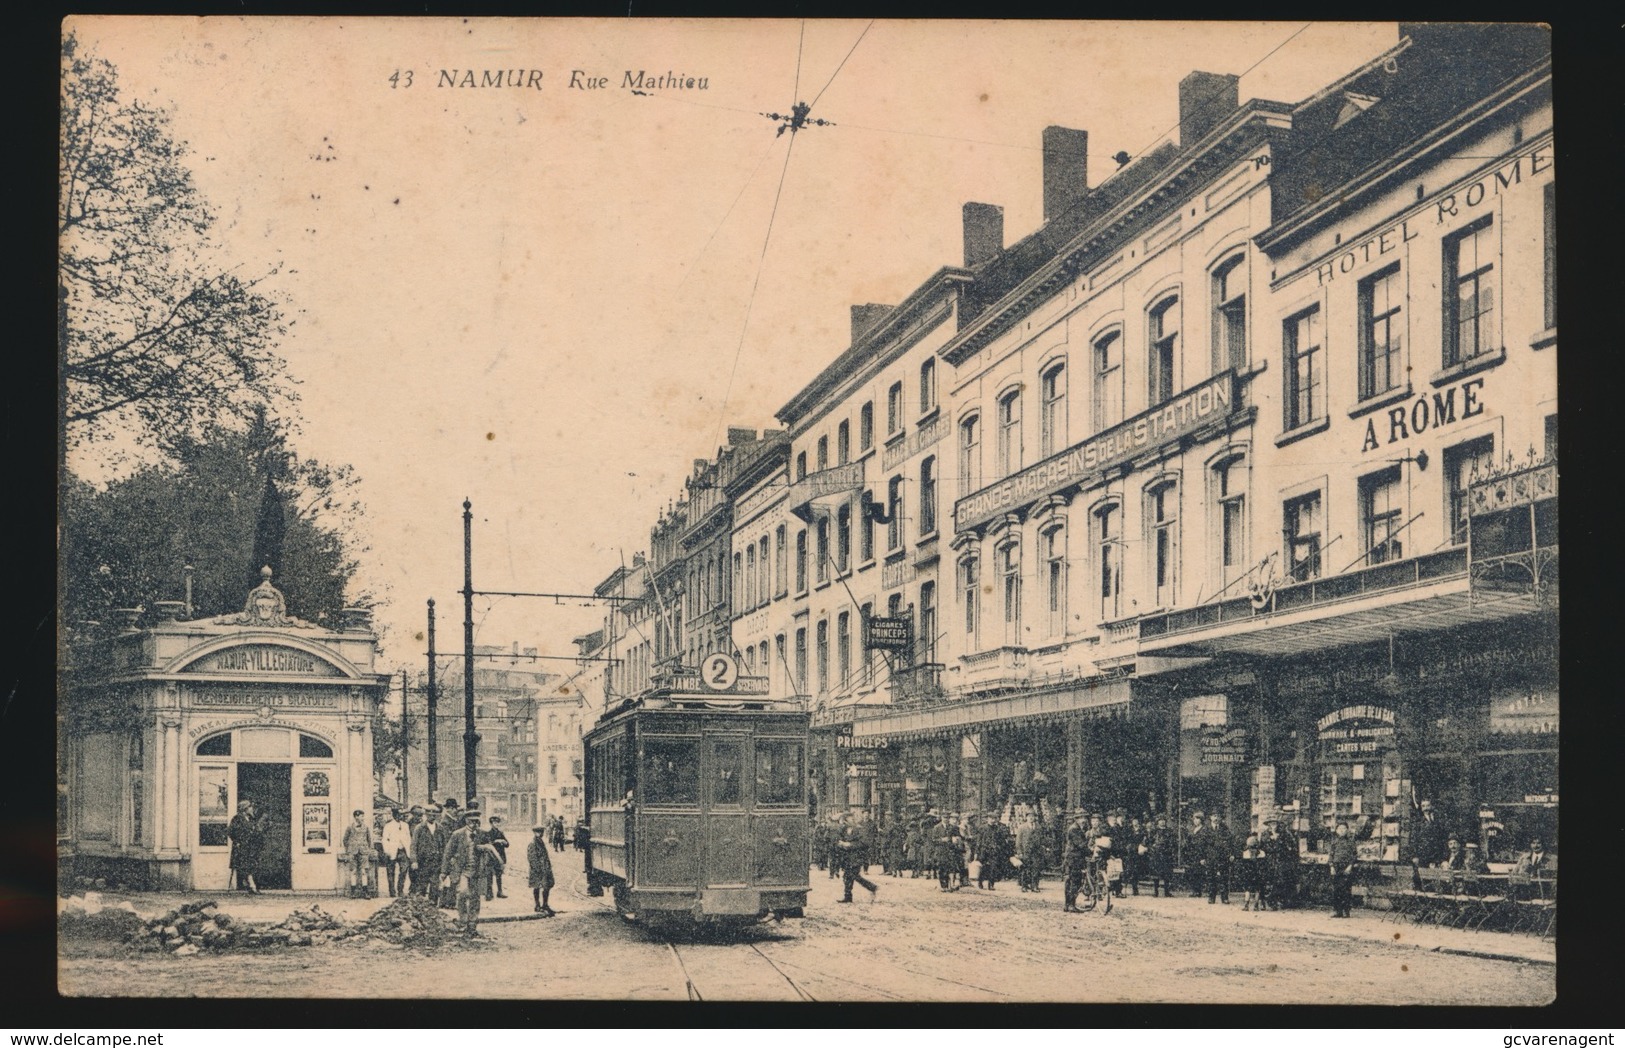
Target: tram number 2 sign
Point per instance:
(719, 671)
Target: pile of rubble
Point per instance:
(413, 920)
(196, 927)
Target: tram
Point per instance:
(697, 800)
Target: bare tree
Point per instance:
(156, 342)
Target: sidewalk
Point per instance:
(1369, 925)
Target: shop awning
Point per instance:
(1032, 706)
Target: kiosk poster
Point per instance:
(318, 825)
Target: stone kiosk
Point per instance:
(165, 729)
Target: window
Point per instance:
(801, 464)
(1305, 382)
(780, 567)
(894, 408)
(1055, 579)
(865, 613)
(1462, 465)
(866, 533)
(750, 659)
(1164, 331)
(1230, 499)
(778, 650)
(727, 762)
(1108, 523)
(969, 586)
(866, 426)
(671, 771)
(926, 643)
(1549, 237)
(801, 561)
(748, 598)
(1162, 542)
(801, 661)
(310, 747)
(1380, 513)
(843, 647)
(970, 454)
(213, 803)
(1469, 259)
(1009, 446)
(1052, 411)
(218, 746)
(843, 443)
(1551, 438)
(779, 777)
(928, 385)
(1302, 523)
(823, 452)
(1230, 315)
(894, 507)
(928, 495)
(1108, 351)
(823, 655)
(822, 550)
(843, 538)
(1381, 333)
(1009, 560)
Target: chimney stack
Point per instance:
(740, 435)
(1066, 168)
(866, 316)
(984, 232)
(1205, 99)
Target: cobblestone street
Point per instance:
(912, 943)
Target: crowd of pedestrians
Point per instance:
(1022, 842)
(449, 853)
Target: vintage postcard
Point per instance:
(828, 510)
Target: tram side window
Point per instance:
(778, 772)
(728, 759)
(671, 771)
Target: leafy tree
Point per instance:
(158, 343)
(126, 545)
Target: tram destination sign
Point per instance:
(886, 634)
(1076, 465)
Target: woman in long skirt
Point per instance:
(541, 871)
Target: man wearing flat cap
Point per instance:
(428, 845)
(358, 852)
(468, 864)
(1428, 837)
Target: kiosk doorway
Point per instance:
(270, 787)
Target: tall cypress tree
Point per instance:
(269, 529)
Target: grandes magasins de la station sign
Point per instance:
(1082, 462)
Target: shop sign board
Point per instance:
(888, 634)
(1221, 745)
(317, 825)
(262, 658)
(1178, 416)
(1356, 731)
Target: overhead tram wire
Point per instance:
(733, 370)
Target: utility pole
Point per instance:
(471, 739)
(434, 695)
(405, 734)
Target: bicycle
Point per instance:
(1094, 889)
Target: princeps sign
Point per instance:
(1076, 465)
(888, 634)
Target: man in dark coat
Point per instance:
(245, 832)
(1074, 855)
(849, 846)
(1159, 857)
(1341, 863)
(1219, 851)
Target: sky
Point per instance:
(550, 298)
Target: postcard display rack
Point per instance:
(1372, 790)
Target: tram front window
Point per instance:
(778, 772)
(728, 760)
(671, 771)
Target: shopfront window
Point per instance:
(727, 769)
